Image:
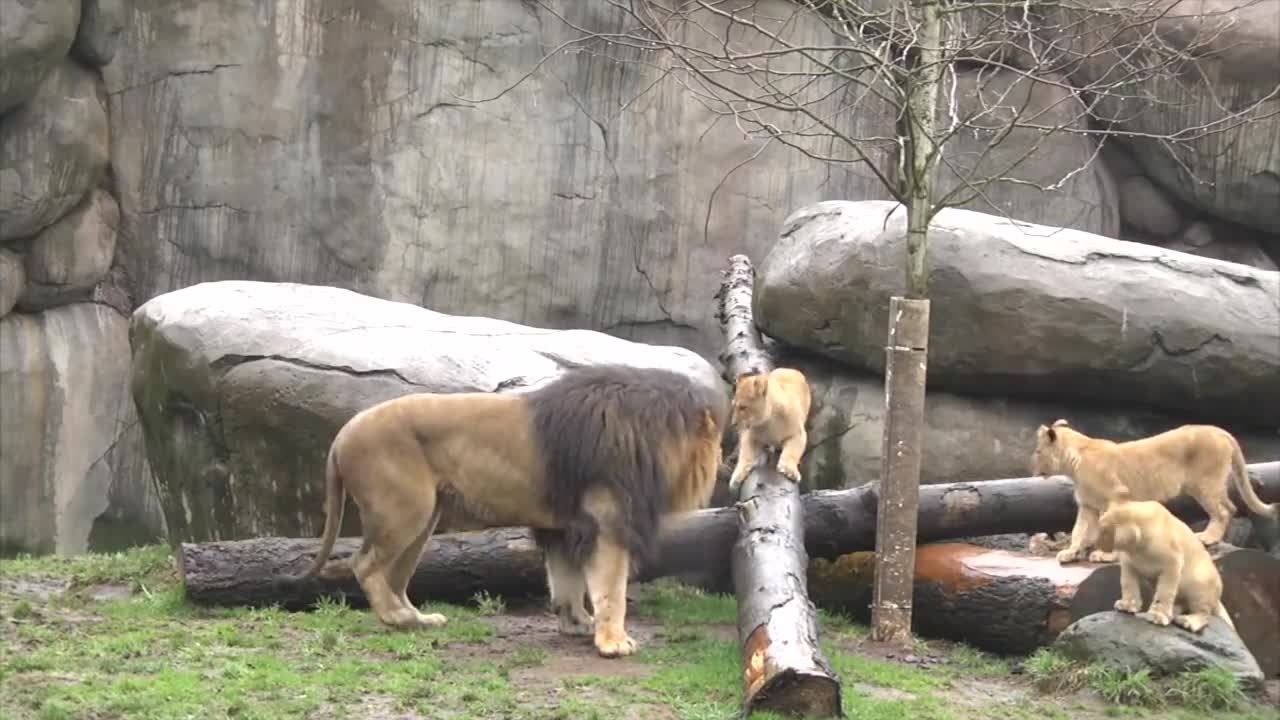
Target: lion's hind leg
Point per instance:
(394, 529)
(1218, 506)
(403, 567)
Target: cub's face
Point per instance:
(1046, 459)
(749, 396)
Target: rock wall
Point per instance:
(73, 467)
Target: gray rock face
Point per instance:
(69, 257)
(71, 450)
(34, 37)
(13, 280)
(241, 387)
(967, 437)
(101, 23)
(1232, 167)
(1032, 311)
(351, 154)
(53, 150)
(1127, 641)
(1031, 161)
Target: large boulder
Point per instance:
(1126, 641)
(242, 385)
(1033, 311)
(967, 437)
(597, 193)
(73, 471)
(53, 150)
(34, 37)
(68, 258)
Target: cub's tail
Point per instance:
(1240, 477)
(1221, 613)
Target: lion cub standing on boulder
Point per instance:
(770, 411)
(1153, 544)
(1195, 459)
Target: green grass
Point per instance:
(154, 656)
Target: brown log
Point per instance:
(783, 669)
(501, 561)
(1250, 592)
(996, 600)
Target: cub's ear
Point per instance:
(1060, 423)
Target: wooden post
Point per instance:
(905, 370)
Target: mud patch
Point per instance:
(35, 588)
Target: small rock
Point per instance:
(101, 23)
(13, 280)
(67, 259)
(1131, 642)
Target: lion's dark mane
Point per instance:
(606, 425)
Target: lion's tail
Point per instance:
(1240, 476)
(1221, 613)
(335, 497)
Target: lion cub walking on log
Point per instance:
(1153, 544)
(593, 462)
(1195, 459)
(770, 410)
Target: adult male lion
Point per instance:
(592, 462)
(1195, 459)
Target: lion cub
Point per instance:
(1153, 544)
(770, 410)
(1195, 459)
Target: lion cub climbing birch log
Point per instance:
(1195, 459)
(1154, 545)
(770, 410)
(592, 462)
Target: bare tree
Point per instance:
(995, 78)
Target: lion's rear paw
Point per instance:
(1155, 617)
(570, 625)
(428, 620)
(615, 647)
(1098, 556)
(1194, 623)
(790, 472)
(1067, 556)
(1127, 606)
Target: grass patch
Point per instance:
(154, 656)
(1205, 690)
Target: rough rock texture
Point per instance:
(1031, 161)
(1224, 241)
(53, 150)
(68, 258)
(13, 279)
(242, 385)
(34, 37)
(1026, 310)
(101, 23)
(1130, 642)
(344, 148)
(1147, 208)
(1229, 166)
(967, 437)
(71, 450)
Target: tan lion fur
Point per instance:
(770, 410)
(1152, 544)
(591, 462)
(1194, 459)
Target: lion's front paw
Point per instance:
(1207, 542)
(790, 472)
(1098, 556)
(1155, 617)
(735, 480)
(1127, 606)
(1066, 556)
(611, 647)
